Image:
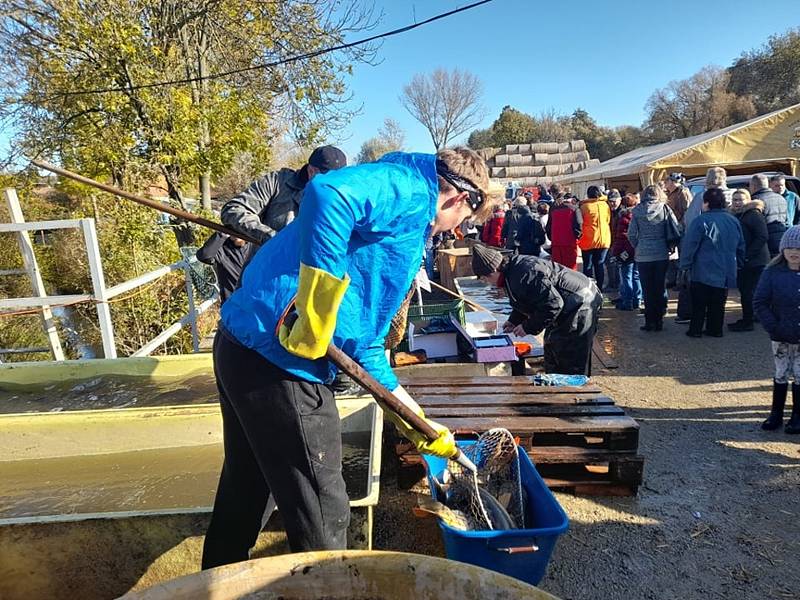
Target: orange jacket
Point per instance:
(596, 224)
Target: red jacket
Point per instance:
(564, 225)
(621, 242)
(492, 230)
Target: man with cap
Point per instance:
(546, 296)
(678, 199)
(272, 201)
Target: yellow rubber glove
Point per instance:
(444, 446)
(319, 295)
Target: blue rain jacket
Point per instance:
(368, 221)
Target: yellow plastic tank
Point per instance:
(345, 575)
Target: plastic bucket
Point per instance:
(344, 575)
(520, 553)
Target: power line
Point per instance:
(277, 63)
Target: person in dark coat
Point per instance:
(712, 252)
(777, 304)
(228, 256)
(756, 254)
(273, 200)
(546, 296)
(514, 221)
(530, 235)
(776, 210)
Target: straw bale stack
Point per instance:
(532, 164)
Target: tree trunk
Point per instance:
(205, 190)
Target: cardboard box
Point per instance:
(480, 323)
(436, 345)
(490, 348)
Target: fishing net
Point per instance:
(492, 497)
(202, 275)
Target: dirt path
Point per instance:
(719, 513)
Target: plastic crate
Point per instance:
(426, 311)
(520, 553)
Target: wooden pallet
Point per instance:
(578, 438)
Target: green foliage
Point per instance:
(770, 75)
(53, 50)
(390, 138)
(516, 127)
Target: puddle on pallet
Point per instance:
(110, 391)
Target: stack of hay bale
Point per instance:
(532, 164)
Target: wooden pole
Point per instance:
(175, 212)
(460, 297)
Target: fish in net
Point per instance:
(492, 497)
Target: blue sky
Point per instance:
(606, 56)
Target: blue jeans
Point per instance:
(653, 276)
(593, 261)
(630, 288)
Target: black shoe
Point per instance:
(648, 327)
(793, 426)
(712, 334)
(775, 418)
(693, 334)
(680, 321)
(740, 326)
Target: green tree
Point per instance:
(390, 138)
(769, 75)
(481, 138)
(51, 51)
(512, 127)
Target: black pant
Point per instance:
(568, 348)
(652, 276)
(685, 302)
(747, 281)
(708, 305)
(282, 435)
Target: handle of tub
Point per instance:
(519, 549)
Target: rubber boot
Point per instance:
(793, 426)
(775, 418)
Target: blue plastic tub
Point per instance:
(520, 553)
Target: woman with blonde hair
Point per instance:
(756, 253)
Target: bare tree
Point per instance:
(695, 105)
(390, 138)
(447, 103)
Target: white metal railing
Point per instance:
(101, 295)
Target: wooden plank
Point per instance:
(445, 390)
(604, 357)
(489, 381)
(572, 454)
(499, 410)
(543, 424)
(514, 399)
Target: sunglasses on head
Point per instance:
(475, 196)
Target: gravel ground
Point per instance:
(718, 515)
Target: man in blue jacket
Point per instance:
(345, 265)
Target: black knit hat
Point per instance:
(485, 260)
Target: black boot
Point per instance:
(775, 418)
(793, 426)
